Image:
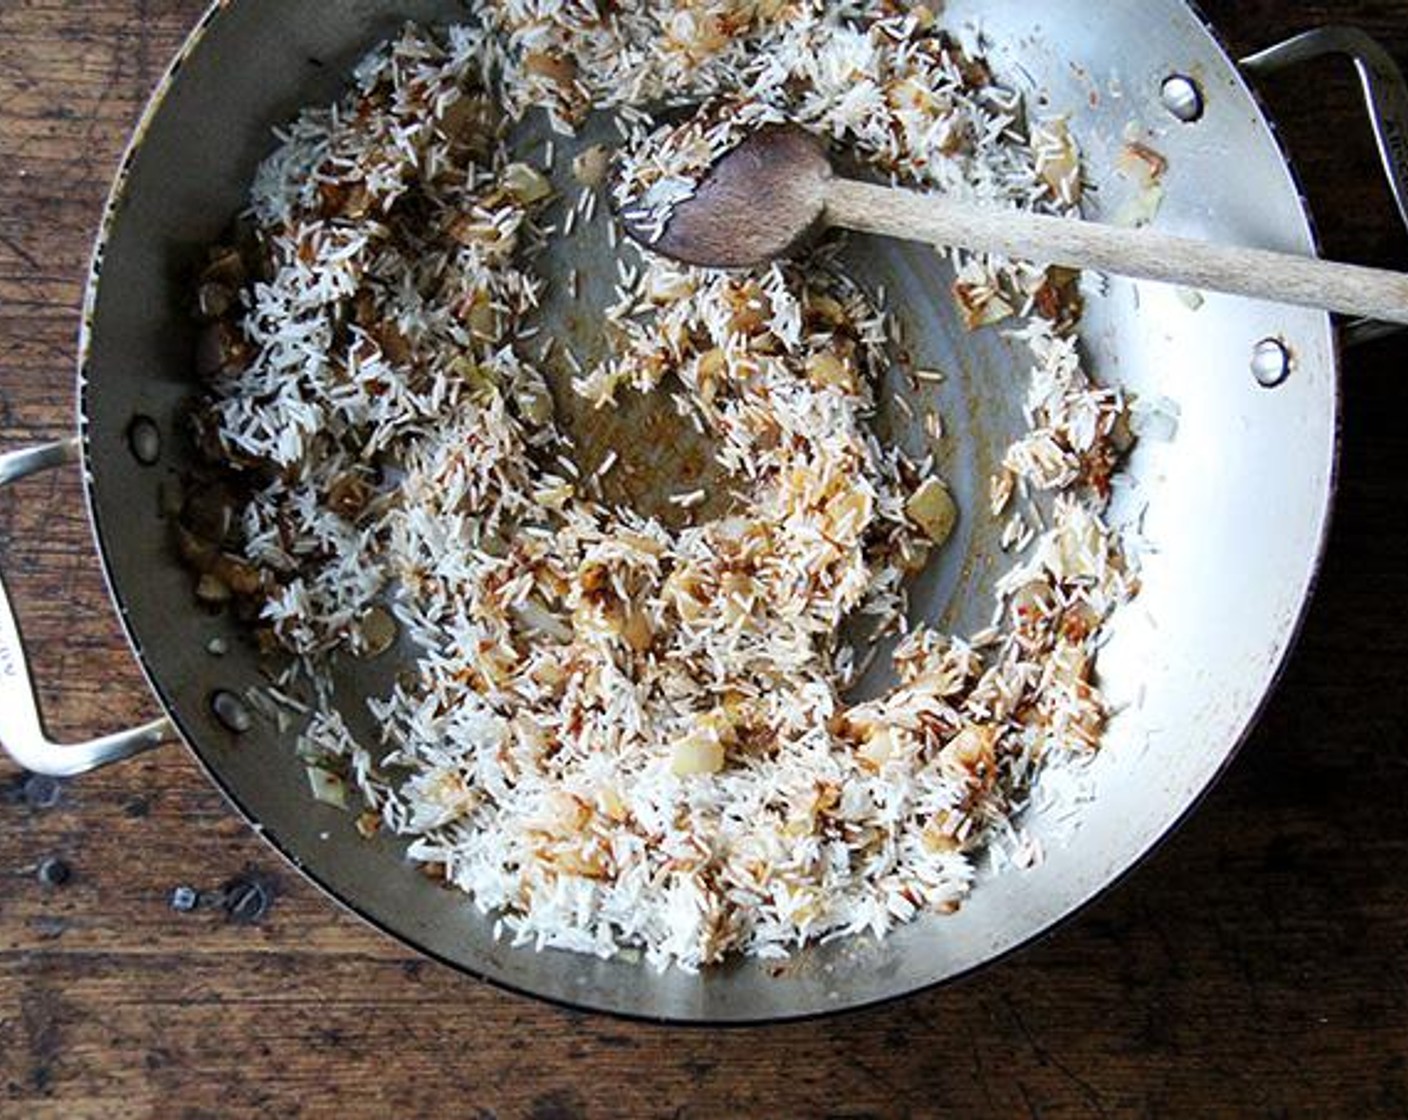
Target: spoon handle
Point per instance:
(1142, 254)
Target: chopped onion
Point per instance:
(328, 787)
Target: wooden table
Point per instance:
(1256, 966)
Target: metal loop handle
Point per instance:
(22, 734)
(1385, 93)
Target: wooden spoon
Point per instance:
(775, 192)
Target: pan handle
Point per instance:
(1385, 93)
(22, 734)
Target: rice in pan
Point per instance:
(618, 731)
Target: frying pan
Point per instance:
(1235, 481)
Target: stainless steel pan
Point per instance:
(1238, 498)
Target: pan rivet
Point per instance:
(230, 710)
(1183, 97)
(144, 438)
(1271, 363)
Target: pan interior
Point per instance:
(979, 398)
(1236, 485)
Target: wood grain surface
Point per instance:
(1255, 967)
